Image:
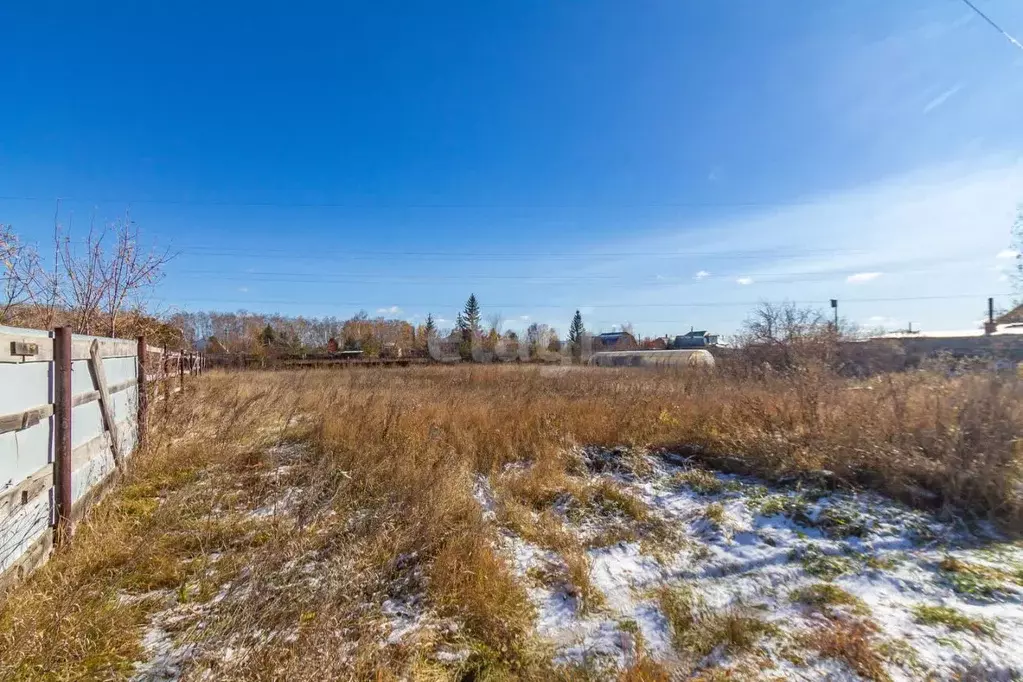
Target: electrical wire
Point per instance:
(410, 206)
(994, 25)
(566, 306)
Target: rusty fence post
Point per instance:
(142, 420)
(62, 433)
(181, 370)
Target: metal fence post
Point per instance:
(62, 433)
(141, 424)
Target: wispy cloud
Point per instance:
(861, 277)
(523, 317)
(941, 99)
(702, 274)
(909, 227)
(244, 290)
(1007, 253)
(393, 310)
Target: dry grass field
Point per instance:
(485, 522)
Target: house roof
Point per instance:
(1011, 329)
(613, 336)
(697, 333)
(1014, 315)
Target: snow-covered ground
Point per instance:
(937, 599)
(707, 571)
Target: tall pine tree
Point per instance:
(471, 315)
(575, 335)
(431, 326)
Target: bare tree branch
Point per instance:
(22, 273)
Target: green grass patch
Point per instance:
(954, 619)
(824, 596)
(704, 482)
(825, 566)
(697, 630)
(974, 580)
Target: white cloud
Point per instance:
(393, 310)
(244, 290)
(702, 274)
(1003, 277)
(523, 317)
(908, 227)
(1007, 253)
(744, 281)
(861, 277)
(941, 99)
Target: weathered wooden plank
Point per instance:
(81, 349)
(93, 396)
(100, 377)
(34, 557)
(89, 450)
(27, 489)
(96, 493)
(9, 343)
(22, 420)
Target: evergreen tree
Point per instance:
(431, 326)
(267, 336)
(471, 315)
(575, 335)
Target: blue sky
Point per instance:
(666, 164)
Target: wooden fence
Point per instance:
(73, 409)
(300, 360)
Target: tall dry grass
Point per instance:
(386, 461)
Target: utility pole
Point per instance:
(834, 306)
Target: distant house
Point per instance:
(659, 343)
(1014, 316)
(332, 346)
(614, 341)
(695, 339)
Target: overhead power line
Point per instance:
(213, 203)
(526, 279)
(567, 255)
(626, 305)
(993, 24)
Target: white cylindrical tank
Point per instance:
(653, 358)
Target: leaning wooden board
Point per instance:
(100, 378)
